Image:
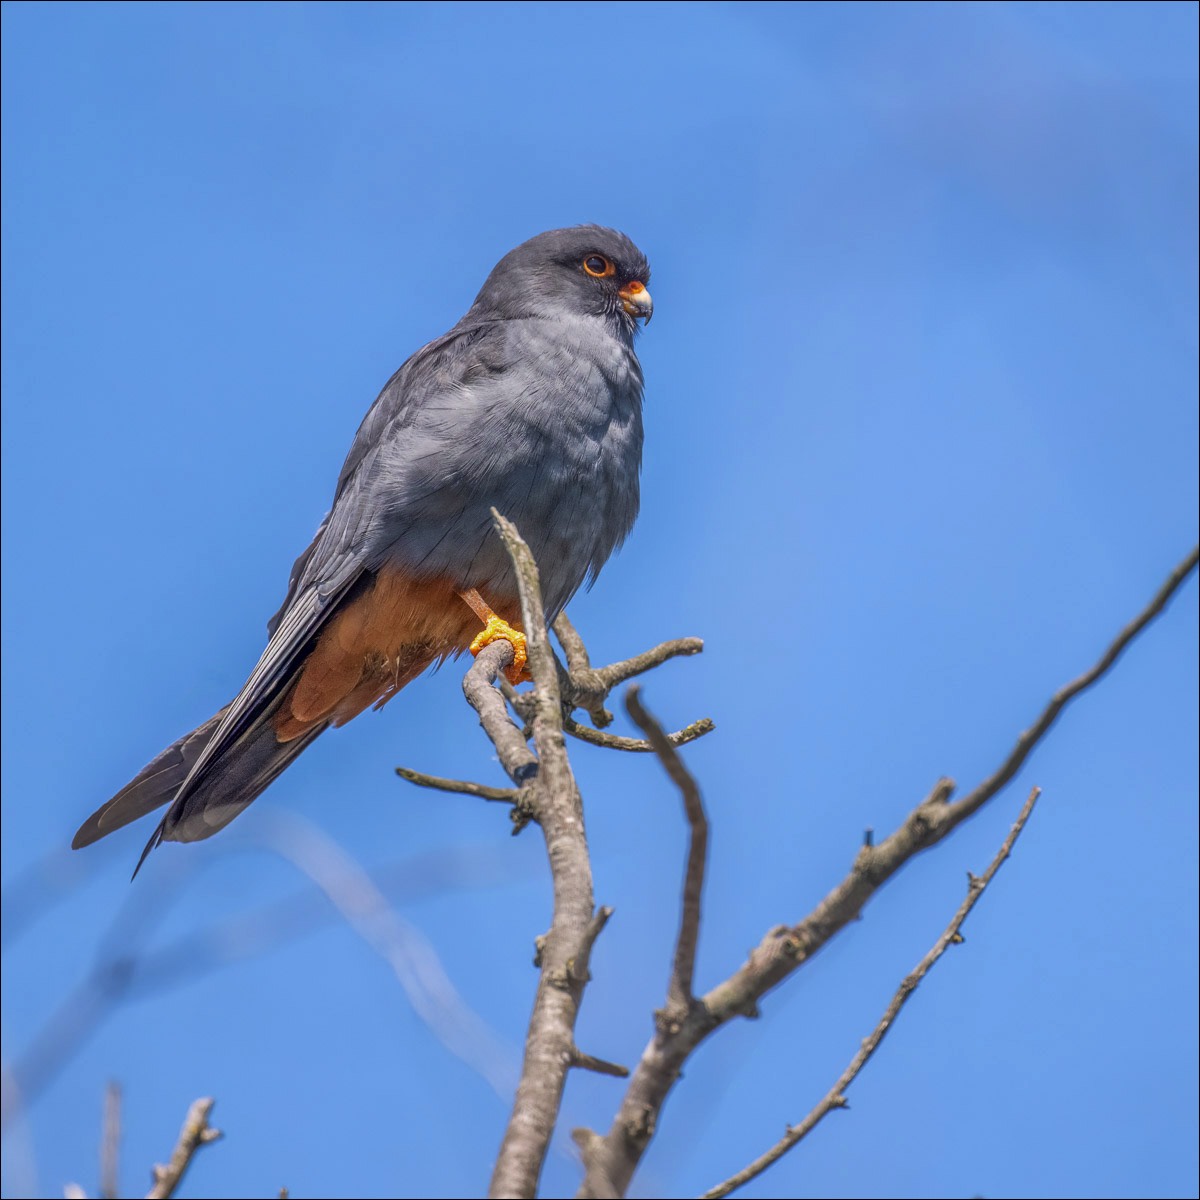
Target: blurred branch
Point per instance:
(110, 1144)
(611, 1161)
(196, 1132)
(124, 971)
(835, 1098)
(412, 959)
(38, 887)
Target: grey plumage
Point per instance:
(532, 404)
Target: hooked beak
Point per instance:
(636, 300)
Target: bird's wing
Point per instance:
(235, 754)
(337, 557)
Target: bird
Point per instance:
(531, 404)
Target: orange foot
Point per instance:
(496, 628)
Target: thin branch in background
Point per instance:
(680, 997)
(612, 1160)
(1034, 734)
(110, 1143)
(39, 886)
(124, 970)
(413, 960)
(20, 1164)
(835, 1098)
(196, 1132)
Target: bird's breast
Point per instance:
(552, 439)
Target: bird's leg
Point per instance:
(496, 628)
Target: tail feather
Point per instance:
(153, 786)
(233, 780)
(329, 658)
(225, 789)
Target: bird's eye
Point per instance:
(598, 266)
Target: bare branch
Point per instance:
(507, 795)
(612, 1162)
(1034, 734)
(835, 1098)
(614, 741)
(585, 687)
(580, 684)
(563, 954)
(601, 1066)
(515, 756)
(110, 1143)
(679, 989)
(639, 664)
(196, 1132)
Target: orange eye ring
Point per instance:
(598, 267)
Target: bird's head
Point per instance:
(585, 270)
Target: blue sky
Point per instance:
(921, 436)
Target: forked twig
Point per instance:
(612, 1159)
(835, 1098)
(584, 686)
(196, 1132)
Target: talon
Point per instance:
(498, 629)
(494, 629)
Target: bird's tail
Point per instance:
(226, 787)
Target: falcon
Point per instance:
(531, 404)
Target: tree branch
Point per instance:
(614, 741)
(601, 1066)
(507, 795)
(479, 688)
(612, 1160)
(835, 1098)
(554, 802)
(972, 802)
(586, 687)
(679, 989)
(196, 1132)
